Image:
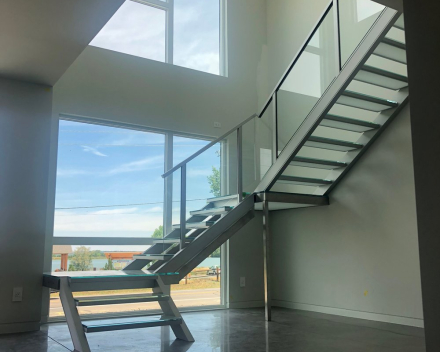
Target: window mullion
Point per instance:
(169, 33)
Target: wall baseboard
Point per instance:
(19, 327)
(351, 313)
(246, 304)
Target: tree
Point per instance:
(158, 233)
(214, 182)
(81, 259)
(109, 265)
(216, 253)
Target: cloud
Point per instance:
(115, 211)
(71, 172)
(92, 150)
(139, 165)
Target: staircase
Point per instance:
(329, 139)
(292, 154)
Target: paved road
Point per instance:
(184, 298)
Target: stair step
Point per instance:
(173, 240)
(305, 181)
(400, 23)
(365, 102)
(104, 300)
(153, 256)
(317, 163)
(90, 327)
(348, 124)
(391, 49)
(217, 199)
(196, 225)
(381, 78)
(212, 211)
(332, 144)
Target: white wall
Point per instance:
(114, 86)
(325, 259)
(117, 87)
(25, 121)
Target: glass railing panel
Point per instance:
(211, 174)
(250, 175)
(355, 19)
(312, 73)
(264, 141)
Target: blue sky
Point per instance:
(109, 180)
(139, 30)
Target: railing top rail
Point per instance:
(295, 59)
(200, 151)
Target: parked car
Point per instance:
(213, 270)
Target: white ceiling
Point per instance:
(40, 39)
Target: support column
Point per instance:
(267, 260)
(422, 26)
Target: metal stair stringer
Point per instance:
(329, 98)
(198, 250)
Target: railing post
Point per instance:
(182, 206)
(275, 128)
(337, 35)
(240, 163)
(168, 186)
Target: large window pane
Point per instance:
(108, 181)
(197, 34)
(135, 29)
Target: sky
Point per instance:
(109, 180)
(138, 29)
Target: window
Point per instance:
(110, 201)
(188, 33)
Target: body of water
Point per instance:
(100, 263)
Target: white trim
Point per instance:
(131, 126)
(19, 327)
(246, 304)
(169, 33)
(393, 319)
(223, 29)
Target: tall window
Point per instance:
(108, 181)
(187, 33)
(109, 206)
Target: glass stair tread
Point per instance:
(332, 144)
(162, 257)
(400, 23)
(348, 124)
(391, 49)
(365, 102)
(105, 300)
(305, 181)
(164, 321)
(227, 197)
(317, 163)
(172, 240)
(196, 225)
(212, 211)
(381, 78)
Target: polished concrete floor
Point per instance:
(237, 330)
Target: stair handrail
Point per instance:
(260, 114)
(206, 147)
(332, 3)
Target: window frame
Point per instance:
(168, 7)
(51, 240)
